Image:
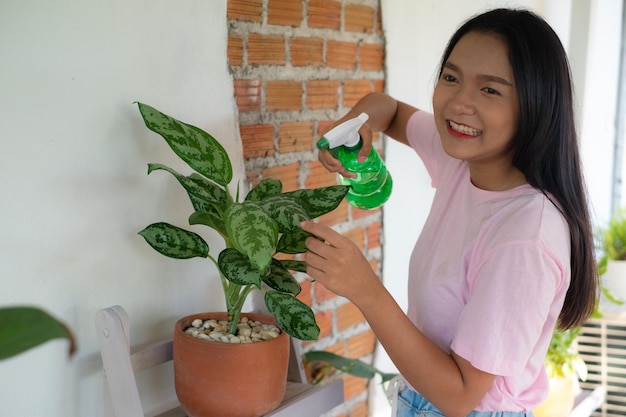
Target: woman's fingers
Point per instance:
(366, 140)
(335, 262)
(334, 165)
(325, 233)
(321, 248)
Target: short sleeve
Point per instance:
(424, 139)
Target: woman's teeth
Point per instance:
(466, 130)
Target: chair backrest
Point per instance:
(120, 365)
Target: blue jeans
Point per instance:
(412, 404)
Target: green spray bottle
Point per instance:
(372, 186)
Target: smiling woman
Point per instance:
(507, 251)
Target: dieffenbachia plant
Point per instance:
(266, 222)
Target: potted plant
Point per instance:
(612, 265)
(564, 367)
(254, 228)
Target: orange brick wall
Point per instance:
(297, 66)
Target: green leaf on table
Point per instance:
(22, 328)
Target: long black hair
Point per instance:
(546, 143)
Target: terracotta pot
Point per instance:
(229, 380)
(560, 399)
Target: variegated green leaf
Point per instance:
(319, 201)
(293, 243)
(208, 219)
(252, 232)
(281, 280)
(204, 195)
(23, 328)
(292, 315)
(286, 210)
(293, 265)
(265, 188)
(193, 145)
(237, 268)
(355, 367)
(174, 242)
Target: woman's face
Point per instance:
(475, 102)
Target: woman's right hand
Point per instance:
(332, 164)
(386, 115)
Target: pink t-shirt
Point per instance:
(488, 275)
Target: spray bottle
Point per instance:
(372, 186)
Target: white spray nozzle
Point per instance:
(345, 134)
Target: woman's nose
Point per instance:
(463, 102)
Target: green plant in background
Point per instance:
(23, 328)
(267, 221)
(611, 241)
(562, 359)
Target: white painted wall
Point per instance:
(416, 34)
(598, 100)
(73, 184)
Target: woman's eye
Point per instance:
(449, 78)
(490, 90)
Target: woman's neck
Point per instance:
(497, 179)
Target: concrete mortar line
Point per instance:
(305, 73)
(280, 159)
(244, 29)
(268, 117)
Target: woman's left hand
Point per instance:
(337, 263)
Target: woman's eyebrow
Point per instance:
(496, 79)
(485, 77)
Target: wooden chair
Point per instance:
(120, 363)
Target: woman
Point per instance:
(507, 250)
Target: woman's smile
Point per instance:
(462, 130)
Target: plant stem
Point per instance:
(236, 312)
(225, 283)
(234, 293)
